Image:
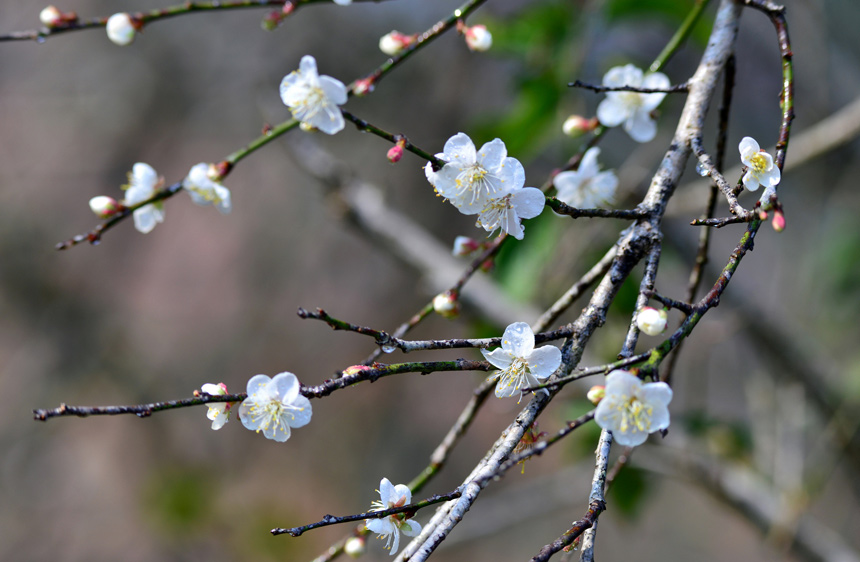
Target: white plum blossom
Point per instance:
(204, 190)
(478, 38)
(506, 212)
(760, 167)
(314, 99)
(143, 182)
(632, 108)
(472, 178)
(652, 321)
(219, 412)
(121, 29)
(586, 187)
(520, 364)
(631, 409)
(274, 405)
(390, 527)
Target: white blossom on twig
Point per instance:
(760, 167)
(219, 412)
(633, 109)
(274, 405)
(520, 364)
(631, 409)
(390, 527)
(204, 190)
(314, 99)
(586, 187)
(143, 182)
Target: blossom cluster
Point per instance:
(487, 183)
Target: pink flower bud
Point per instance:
(393, 42)
(363, 87)
(355, 369)
(577, 125)
(778, 222)
(478, 38)
(51, 16)
(104, 207)
(355, 546)
(596, 394)
(395, 153)
(465, 246)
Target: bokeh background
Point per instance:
(208, 298)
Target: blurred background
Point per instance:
(766, 389)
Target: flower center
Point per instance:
(631, 99)
(514, 376)
(758, 162)
(635, 414)
(311, 104)
(476, 180)
(494, 214)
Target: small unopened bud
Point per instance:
(577, 125)
(446, 304)
(121, 28)
(393, 42)
(465, 246)
(395, 153)
(50, 16)
(652, 321)
(355, 369)
(363, 87)
(478, 38)
(104, 207)
(596, 393)
(762, 214)
(355, 546)
(778, 221)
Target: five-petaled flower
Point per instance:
(586, 187)
(143, 182)
(632, 409)
(314, 99)
(274, 405)
(632, 108)
(506, 212)
(219, 412)
(204, 190)
(391, 496)
(521, 365)
(760, 167)
(472, 178)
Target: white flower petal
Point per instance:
(402, 494)
(308, 67)
(544, 361)
(411, 528)
(750, 181)
(611, 112)
(460, 148)
(656, 393)
(386, 492)
(380, 526)
(748, 147)
(334, 89)
(528, 202)
(641, 127)
(492, 155)
(498, 358)
(518, 339)
(632, 438)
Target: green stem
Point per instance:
(680, 36)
